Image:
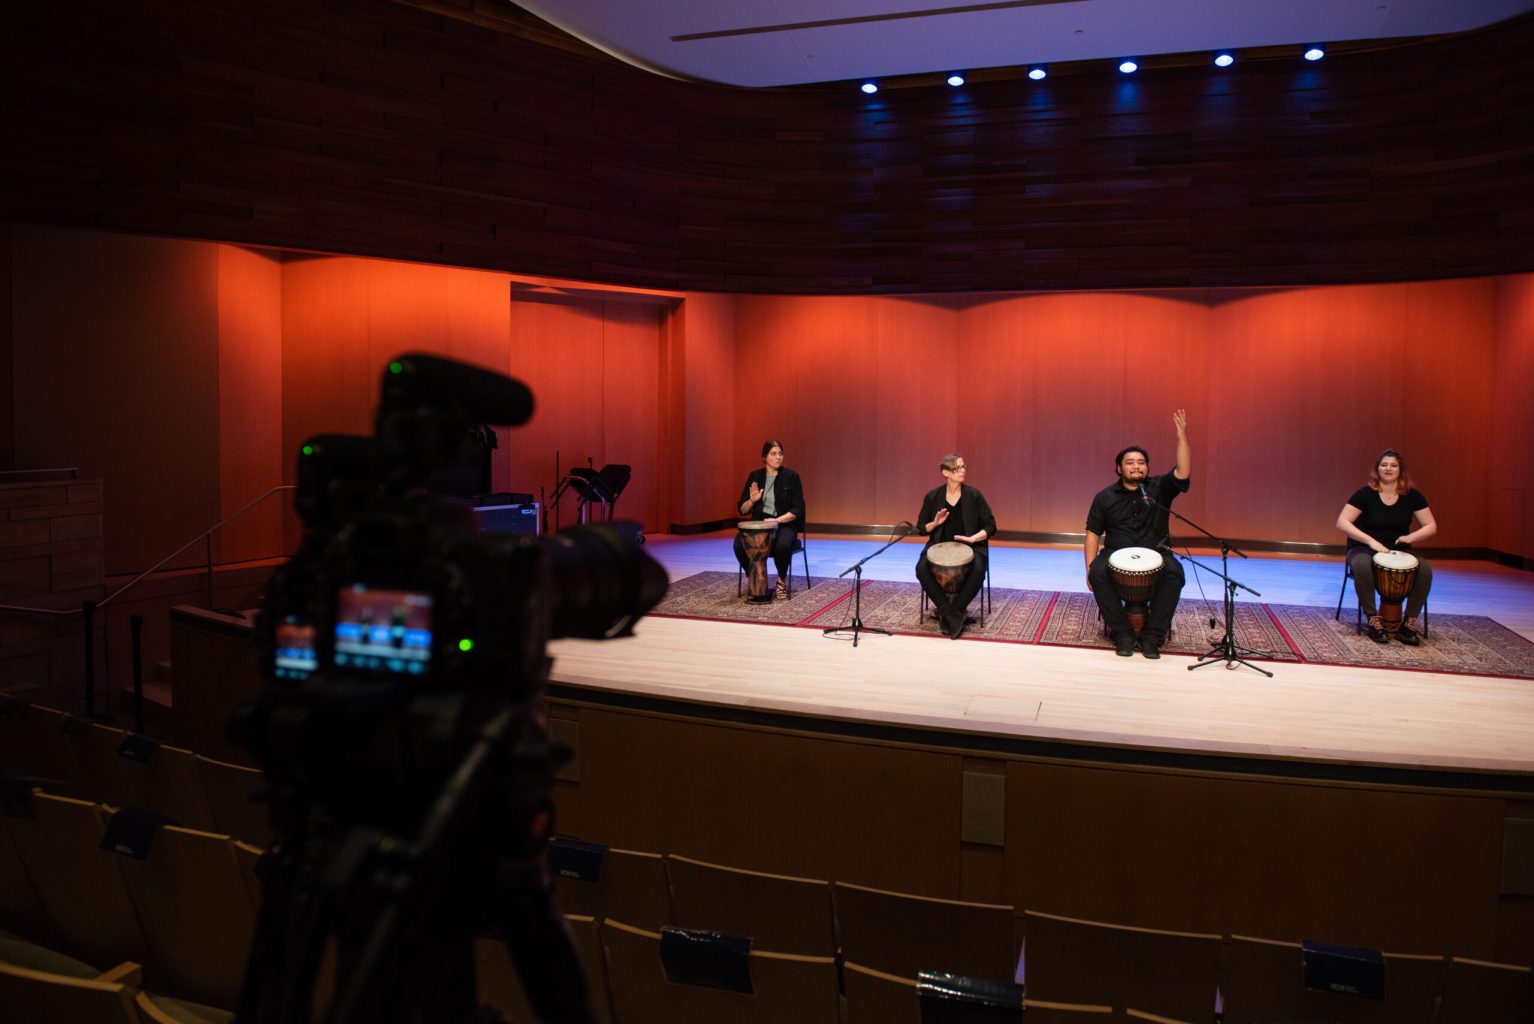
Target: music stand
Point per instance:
(615, 477)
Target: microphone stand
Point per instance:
(1225, 649)
(857, 594)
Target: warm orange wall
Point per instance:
(1510, 513)
(715, 466)
(116, 372)
(594, 366)
(166, 367)
(249, 403)
(1289, 394)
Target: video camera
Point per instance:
(402, 735)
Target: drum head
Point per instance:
(1400, 561)
(950, 553)
(1135, 560)
(756, 524)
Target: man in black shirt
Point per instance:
(1132, 513)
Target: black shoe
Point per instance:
(1376, 632)
(1149, 647)
(1124, 645)
(953, 624)
(1408, 636)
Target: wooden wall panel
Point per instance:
(380, 129)
(1510, 499)
(249, 403)
(771, 801)
(821, 405)
(708, 467)
(1408, 872)
(630, 404)
(116, 369)
(917, 367)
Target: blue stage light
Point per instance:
(1224, 60)
(956, 79)
(1129, 67)
(1315, 53)
(870, 87)
(1037, 73)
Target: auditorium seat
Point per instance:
(234, 793)
(79, 885)
(118, 781)
(784, 987)
(905, 935)
(1161, 972)
(21, 911)
(249, 857)
(632, 886)
(53, 750)
(28, 995)
(500, 986)
(1265, 982)
(196, 911)
(1478, 992)
(877, 997)
(158, 1009)
(778, 912)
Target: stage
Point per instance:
(1434, 728)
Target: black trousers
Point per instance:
(1163, 602)
(963, 596)
(782, 549)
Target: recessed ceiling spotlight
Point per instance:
(1129, 67)
(1224, 60)
(1037, 73)
(1315, 53)
(870, 87)
(956, 79)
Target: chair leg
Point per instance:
(740, 574)
(804, 553)
(1347, 574)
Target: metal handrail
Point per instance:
(87, 609)
(204, 535)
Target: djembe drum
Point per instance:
(1395, 573)
(1135, 572)
(757, 535)
(950, 562)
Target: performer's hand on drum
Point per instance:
(938, 520)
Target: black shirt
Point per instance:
(1125, 520)
(1385, 522)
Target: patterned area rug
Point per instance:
(1469, 644)
(1075, 623)
(1466, 644)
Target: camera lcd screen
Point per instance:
(381, 630)
(295, 656)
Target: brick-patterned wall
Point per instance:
(50, 558)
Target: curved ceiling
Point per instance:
(795, 42)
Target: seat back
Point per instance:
(234, 799)
(632, 886)
(29, 995)
(784, 987)
(1162, 972)
(1265, 981)
(778, 912)
(80, 886)
(191, 896)
(905, 935)
(500, 986)
(1486, 993)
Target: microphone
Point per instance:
(1145, 497)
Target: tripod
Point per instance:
(1225, 649)
(857, 626)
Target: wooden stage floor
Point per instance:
(1334, 717)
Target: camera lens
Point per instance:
(602, 580)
